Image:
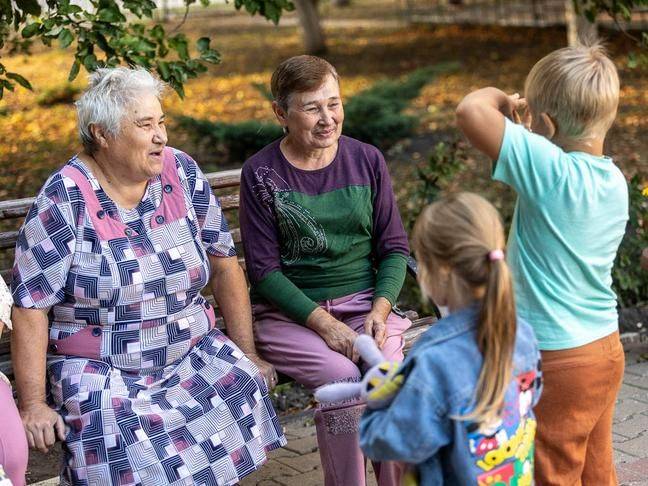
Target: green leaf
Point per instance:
(203, 44)
(272, 12)
(6, 84)
(90, 62)
(74, 71)
(157, 32)
(65, 38)
(163, 70)
(179, 44)
(211, 56)
(111, 14)
(20, 80)
(31, 7)
(30, 30)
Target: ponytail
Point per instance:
(464, 232)
(496, 340)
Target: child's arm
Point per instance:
(409, 430)
(480, 116)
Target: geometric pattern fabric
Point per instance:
(152, 394)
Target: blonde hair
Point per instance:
(578, 87)
(460, 231)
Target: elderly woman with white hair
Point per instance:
(110, 262)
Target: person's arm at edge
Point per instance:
(29, 340)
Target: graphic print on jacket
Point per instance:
(504, 450)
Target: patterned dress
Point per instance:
(151, 392)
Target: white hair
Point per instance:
(110, 93)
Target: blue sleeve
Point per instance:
(529, 163)
(410, 430)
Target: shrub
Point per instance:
(447, 161)
(629, 280)
(373, 116)
(432, 177)
(376, 115)
(231, 142)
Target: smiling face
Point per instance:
(137, 150)
(314, 118)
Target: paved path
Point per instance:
(298, 463)
(631, 419)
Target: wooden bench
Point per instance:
(225, 185)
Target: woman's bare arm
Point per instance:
(28, 353)
(230, 290)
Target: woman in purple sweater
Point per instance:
(326, 254)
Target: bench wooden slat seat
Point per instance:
(227, 180)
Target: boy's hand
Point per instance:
(480, 116)
(518, 111)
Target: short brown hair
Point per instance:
(299, 74)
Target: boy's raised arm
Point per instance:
(480, 116)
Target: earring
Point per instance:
(285, 130)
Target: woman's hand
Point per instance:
(267, 370)
(375, 324)
(337, 335)
(42, 426)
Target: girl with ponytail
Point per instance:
(463, 414)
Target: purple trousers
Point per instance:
(302, 354)
(13, 441)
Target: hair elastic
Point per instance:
(496, 255)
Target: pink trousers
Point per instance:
(13, 442)
(303, 355)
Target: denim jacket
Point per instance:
(420, 426)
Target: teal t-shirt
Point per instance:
(569, 220)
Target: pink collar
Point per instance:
(171, 208)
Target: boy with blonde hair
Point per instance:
(569, 220)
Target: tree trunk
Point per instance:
(341, 3)
(579, 29)
(312, 32)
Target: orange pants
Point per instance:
(574, 436)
